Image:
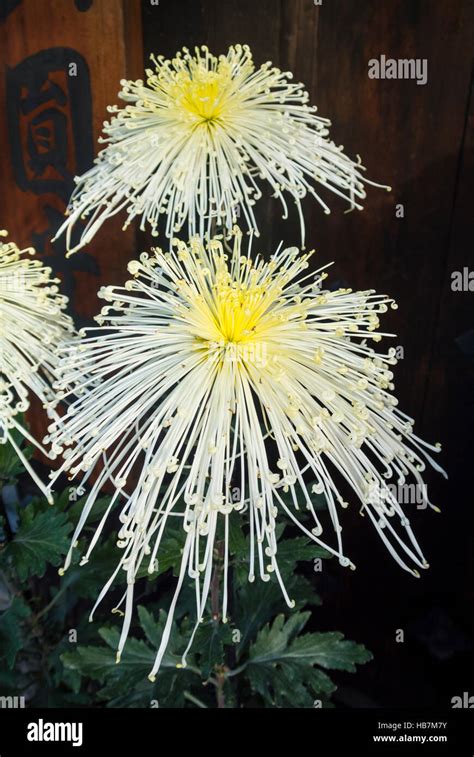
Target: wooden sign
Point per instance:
(56, 80)
(61, 62)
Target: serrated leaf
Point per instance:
(151, 627)
(302, 592)
(170, 552)
(295, 550)
(12, 634)
(255, 605)
(209, 645)
(281, 666)
(41, 538)
(330, 650)
(99, 663)
(126, 683)
(258, 602)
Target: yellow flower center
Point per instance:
(237, 311)
(235, 307)
(202, 94)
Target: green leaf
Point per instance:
(281, 666)
(290, 552)
(297, 549)
(238, 543)
(42, 538)
(209, 645)
(87, 580)
(302, 592)
(126, 683)
(12, 632)
(170, 552)
(10, 464)
(330, 650)
(150, 626)
(258, 602)
(99, 664)
(74, 508)
(255, 604)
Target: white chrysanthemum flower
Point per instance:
(215, 372)
(194, 142)
(32, 325)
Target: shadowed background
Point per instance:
(418, 139)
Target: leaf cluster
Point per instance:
(264, 656)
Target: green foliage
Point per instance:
(42, 538)
(127, 684)
(10, 465)
(282, 661)
(12, 630)
(264, 656)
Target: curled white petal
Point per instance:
(32, 325)
(198, 142)
(221, 382)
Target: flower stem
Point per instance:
(191, 698)
(220, 676)
(215, 581)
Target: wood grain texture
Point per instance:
(410, 137)
(108, 37)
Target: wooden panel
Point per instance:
(409, 136)
(60, 67)
(454, 336)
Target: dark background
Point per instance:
(419, 140)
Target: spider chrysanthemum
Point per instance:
(213, 372)
(197, 142)
(32, 325)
